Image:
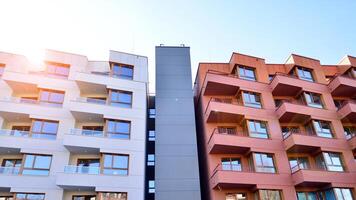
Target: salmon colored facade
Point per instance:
(277, 131)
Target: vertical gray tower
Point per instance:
(177, 170)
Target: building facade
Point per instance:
(176, 170)
(75, 130)
(277, 131)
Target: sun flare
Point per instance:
(36, 59)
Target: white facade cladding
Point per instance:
(75, 129)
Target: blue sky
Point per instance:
(273, 29)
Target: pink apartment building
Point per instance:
(277, 131)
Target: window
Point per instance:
(306, 196)
(247, 73)
(97, 100)
(231, 164)
(2, 69)
(343, 193)
(37, 164)
(44, 129)
(313, 100)
(151, 186)
(118, 129)
(263, 163)
(257, 129)
(305, 74)
(287, 130)
(51, 97)
(116, 164)
(268, 195)
(26, 196)
(329, 161)
(150, 160)
(227, 130)
(251, 99)
(338, 103)
(11, 166)
(58, 69)
(121, 99)
(151, 135)
(84, 197)
(321, 128)
(236, 196)
(113, 196)
(93, 130)
(22, 131)
(6, 198)
(298, 163)
(88, 166)
(349, 132)
(122, 71)
(152, 113)
(270, 77)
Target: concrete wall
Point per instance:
(177, 173)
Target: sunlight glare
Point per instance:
(36, 59)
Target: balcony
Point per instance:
(343, 86)
(78, 177)
(226, 143)
(352, 141)
(347, 111)
(245, 178)
(296, 112)
(303, 142)
(314, 177)
(11, 177)
(217, 83)
(88, 141)
(229, 110)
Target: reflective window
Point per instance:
(343, 193)
(121, 98)
(150, 159)
(118, 129)
(152, 113)
(236, 196)
(232, 164)
(305, 74)
(44, 129)
(270, 195)
(11, 166)
(307, 196)
(51, 97)
(84, 197)
(113, 196)
(116, 164)
(264, 163)
(349, 132)
(36, 164)
(88, 166)
(322, 128)
(287, 130)
(247, 73)
(27, 196)
(251, 99)
(227, 130)
(313, 100)
(297, 163)
(151, 186)
(151, 135)
(57, 69)
(257, 129)
(330, 161)
(122, 71)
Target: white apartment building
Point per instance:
(74, 130)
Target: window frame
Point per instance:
(107, 132)
(85, 196)
(313, 96)
(302, 76)
(33, 164)
(112, 163)
(231, 166)
(56, 65)
(151, 162)
(151, 137)
(325, 166)
(117, 101)
(269, 190)
(248, 102)
(321, 123)
(255, 167)
(42, 125)
(299, 164)
(120, 74)
(244, 76)
(101, 197)
(251, 133)
(151, 190)
(26, 195)
(50, 92)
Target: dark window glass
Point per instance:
(44, 129)
(121, 98)
(349, 132)
(305, 74)
(247, 73)
(297, 163)
(116, 164)
(36, 164)
(307, 196)
(118, 129)
(122, 71)
(257, 129)
(84, 197)
(251, 99)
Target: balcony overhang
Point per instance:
(88, 88)
(87, 117)
(292, 113)
(343, 86)
(352, 142)
(214, 88)
(315, 178)
(216, 116)
(22, 89)
(348, 112)
(283, 85)
(15, 117)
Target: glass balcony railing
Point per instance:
(84, 132)
(73, 169)
(5, 132)
(10, 170)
